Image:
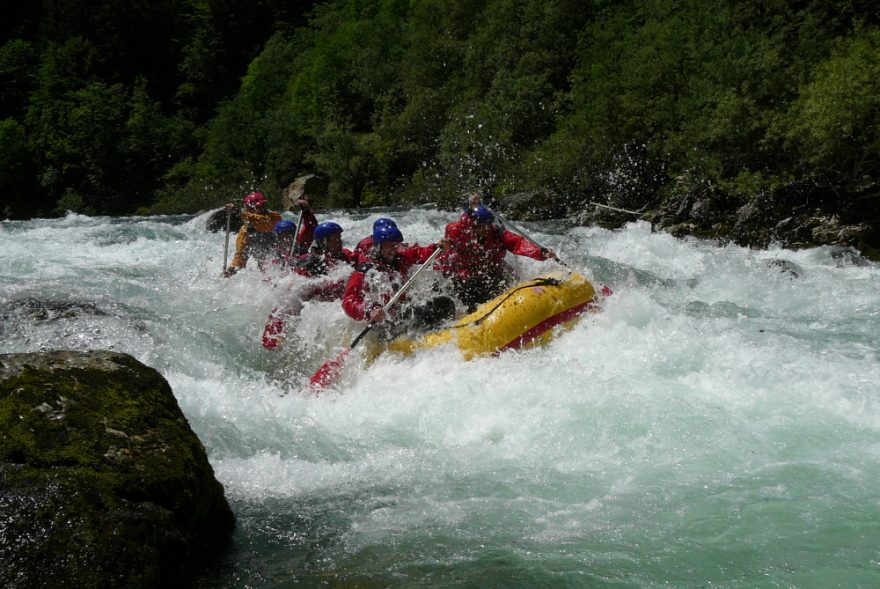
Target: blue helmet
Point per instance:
(383, 222)
(482, 215)
(325, 230)
(384, 233)
(285, 226)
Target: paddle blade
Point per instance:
(329, 371)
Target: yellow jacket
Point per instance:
(254, 223)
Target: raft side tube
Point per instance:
(524, 316)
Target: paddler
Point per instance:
(474, 258)
(257, 237)
(326, 254)
(376, 279)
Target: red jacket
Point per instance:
(467, 255)
(374, 281)
(364, 246)
(306, 231)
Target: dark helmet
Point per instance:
(284, 226)
(325, 230)
(383, 222)
(385, 233)
(482, 215)
(254, 199)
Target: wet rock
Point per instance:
(828, 230)
(41, 310)
(532, 205)
(310, 187)
(217, 221)
(102, 481)
(751, 224)
(786, 267)
(681, 229)
(847, 256)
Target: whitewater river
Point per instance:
(717, 424)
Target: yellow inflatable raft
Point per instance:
(525, 316)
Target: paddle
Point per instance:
(331, 369)
(296, 233)
(226, 245)
(513, 228)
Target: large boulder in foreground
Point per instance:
(102, 481)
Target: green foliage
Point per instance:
(17, 59)
(103, 146)
(629, 101)
(17, 187)
(145, 76)
(688, 89)
(834, 122)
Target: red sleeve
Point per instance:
(417, 254)
(352, 258)
(329, 290)
(521, 247)
(307, 229)
(353, 297)
(453, 231)
(364, 246)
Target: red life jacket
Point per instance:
(394, 273)
(467, 254)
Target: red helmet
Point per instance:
(254, 200)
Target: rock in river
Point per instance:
(102, 481)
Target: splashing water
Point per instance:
(716, 424)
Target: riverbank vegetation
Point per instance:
(176, 106)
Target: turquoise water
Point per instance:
(715, 425)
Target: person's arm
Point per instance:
(364, 246)
(520, 246)
(327, 290)
(353, 297)
(418, 254)
(240, 259)
(306, 231)
(353, 258)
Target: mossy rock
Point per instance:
(102, 481)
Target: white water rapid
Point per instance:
(717, 424)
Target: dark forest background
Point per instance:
(119, 107)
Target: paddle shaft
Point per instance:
(401, 290)
(226, 245)
(508, 225)
(296, 233)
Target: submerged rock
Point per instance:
(47, 310)
(786, 267)
(102, 481)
